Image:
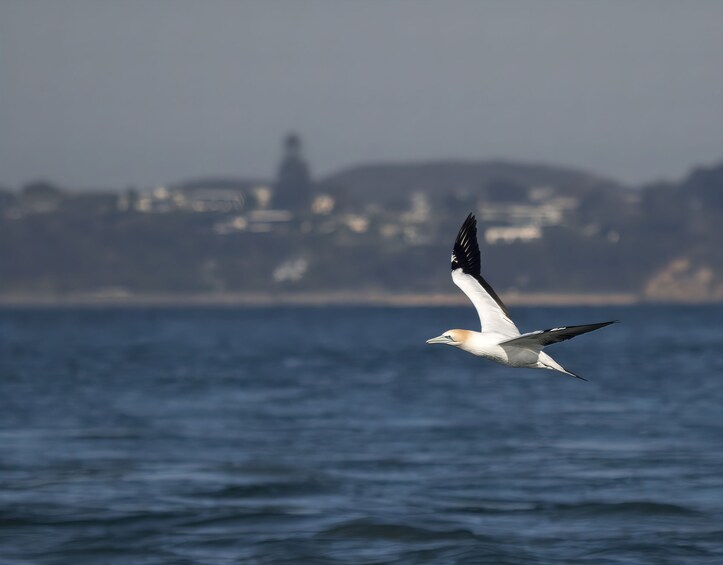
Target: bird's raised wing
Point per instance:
(493, 314)
(542, 338)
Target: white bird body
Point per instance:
(487, 345)
(499, 340)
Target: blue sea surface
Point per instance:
(336, 435)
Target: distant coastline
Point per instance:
(338, 298)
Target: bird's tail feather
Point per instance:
(567, 372)
(547, 362)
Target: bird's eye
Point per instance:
(449, 337)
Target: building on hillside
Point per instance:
(292, 190)
(40, 197)
(211, 196)
(215, 195)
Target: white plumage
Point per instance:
(499, 340)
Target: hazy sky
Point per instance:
(145, 92)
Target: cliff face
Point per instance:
(680, 281)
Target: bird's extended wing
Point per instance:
(493, 314)
(542, 338)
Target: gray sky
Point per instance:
(143, 92)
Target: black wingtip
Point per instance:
(569, 372)
(466, 250)
(469, 222)
(466, 256)
(470, 219)
(468, 228)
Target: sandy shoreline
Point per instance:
(309, 299)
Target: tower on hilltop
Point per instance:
(292, 190)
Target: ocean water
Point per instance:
(336, 435)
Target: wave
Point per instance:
(635, 507)
(268, 489)
(589, 508)
(365, 528)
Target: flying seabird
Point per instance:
(499, 340)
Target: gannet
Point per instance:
(499, 340)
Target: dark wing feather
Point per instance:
(465, 256)
(543, 338)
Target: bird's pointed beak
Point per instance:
(439, 339)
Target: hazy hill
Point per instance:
(397, 181)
